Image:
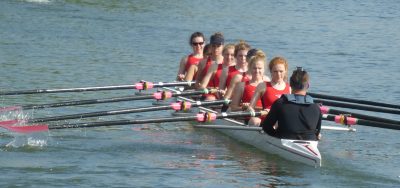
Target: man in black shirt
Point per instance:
(297, 115)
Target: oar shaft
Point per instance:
(356, 106)
(83, 89)
(343, 99)
(122, 111)
(100, 113)
(143, 121)
(85, 102)
(358, 121)
(105, 100)
(363, 116)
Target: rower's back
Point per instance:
(296, 114)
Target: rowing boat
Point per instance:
(302, 151)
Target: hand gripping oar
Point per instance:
(201, 117)
(327, 110)
(343, 99)
(177, 106)
(357, 106)
(158, 95)
(347, 120)
(139, 86)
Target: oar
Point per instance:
(357, 106)
(158, 95)
(346, 120)
(327, 110)
(250, 128)
(139, 86)
(178, 106)
(201, 117)
(343, 99)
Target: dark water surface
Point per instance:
(350, 48)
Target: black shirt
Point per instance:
(298, 118)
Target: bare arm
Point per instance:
(223, 77)
(181, 71)
(207, 78)
(237, 97)
(191, 73)
(199, 75)
(257, 94)
(236, 79)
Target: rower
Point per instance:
(208, 67)
(270, 91)
(298, 117)
(245, 89)
(197, 41)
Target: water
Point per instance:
(350, 49)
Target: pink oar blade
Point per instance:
(26, 129)
(11, 122)
(10, 108)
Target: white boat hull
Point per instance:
(295, 150)
(302, 151)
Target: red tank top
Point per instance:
(245, 78)
(232, 71)
(214, 80)
(248, 94)
(271, 94)
(191, 60)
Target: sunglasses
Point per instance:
(197, 43)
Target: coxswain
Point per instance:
(297, 116)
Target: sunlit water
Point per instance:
(350, 49)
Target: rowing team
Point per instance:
(237, 71)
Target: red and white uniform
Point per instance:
(248, 93)
(191, 60)
(271, 94)
(232, 71)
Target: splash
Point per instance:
(12, 114)
(31, 140)
(39, 1)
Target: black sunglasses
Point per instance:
(197, 43)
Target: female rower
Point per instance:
(241, 77)
(297, 115)
(215, 71)
(212, 63)
(269, 92)
(241, 50)
(197, 41)
(244, 91)
(191, 72)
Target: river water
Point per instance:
(350, 48)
